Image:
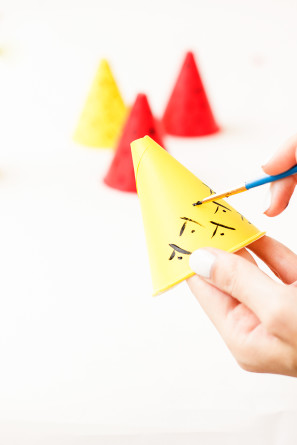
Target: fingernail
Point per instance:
(266, 201)
(201, 262)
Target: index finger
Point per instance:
(219, 305)
(281, 260)
(240, 279)
(283, 159)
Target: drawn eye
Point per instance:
(179, 257)
(192, 231)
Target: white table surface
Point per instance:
(86, 354)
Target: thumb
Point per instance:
(239, 278)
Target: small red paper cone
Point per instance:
(188, 112)
(140, 123)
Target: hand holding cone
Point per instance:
(174, 228)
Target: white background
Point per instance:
(86, 354)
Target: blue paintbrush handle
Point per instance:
(267, 178)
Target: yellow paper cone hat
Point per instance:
(174, 228)
(104, 112)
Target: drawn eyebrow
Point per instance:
(185, 223)
(191, 220)
(179, 249)
(221, 205)
(222, 225)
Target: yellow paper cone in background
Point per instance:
(174, 228)
(104, 112)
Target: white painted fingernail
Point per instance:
(201, 262)
(266, 201)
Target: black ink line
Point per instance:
(221, 205)
(179, 249)
(191, 220)
(243, 218)
(172, 255)
(182, 229)
(222, 225)
(216, 229)
(211, 191)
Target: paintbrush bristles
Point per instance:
(217, 196)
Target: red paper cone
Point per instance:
(188, 112)
(140, 123)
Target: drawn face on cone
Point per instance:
(191, 228)
(174, 227)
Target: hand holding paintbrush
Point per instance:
(281, 191)
(255, 315)
(280, 171)
(248, 185)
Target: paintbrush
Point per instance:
(248, 185)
